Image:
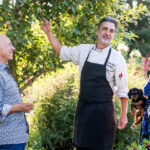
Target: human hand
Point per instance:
(46, 27)
(22, 107)
(122, 122)
(25, 107)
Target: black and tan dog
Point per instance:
(138, 104)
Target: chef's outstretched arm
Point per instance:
(46, 27)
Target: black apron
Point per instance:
(95, 122)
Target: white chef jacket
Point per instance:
(116, 72)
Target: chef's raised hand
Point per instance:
(46, 26)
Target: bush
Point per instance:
(53, 118)
(135, 146)
(128, 136)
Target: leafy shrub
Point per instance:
(54, 111)
(128, 136)
(135, 146)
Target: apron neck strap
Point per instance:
(89, 54)
(108, 56)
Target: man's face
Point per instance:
(6, 49)
(106, 33)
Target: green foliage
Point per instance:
(37, 58)
(35, 142)
(52, 121)
(136, 75)
(141, 28)
(136, 78)
(73, 22)
(126, 136)
(135, 146)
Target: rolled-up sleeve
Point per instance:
(4, 108)
(121, 78)
(71, 54)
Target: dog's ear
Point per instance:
(140, 93)
(129, 94)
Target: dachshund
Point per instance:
(138, 104)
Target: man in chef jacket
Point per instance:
(103, 73)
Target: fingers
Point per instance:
(121, 125)
(45, 21)
(46, 27)
(27, 107)
(122, 122)
(29, 104)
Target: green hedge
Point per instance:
(53, 116)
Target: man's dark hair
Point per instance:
(108, 19)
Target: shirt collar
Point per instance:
(3, 66)
(104, 49)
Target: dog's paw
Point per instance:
(133, 126)
(132, 115)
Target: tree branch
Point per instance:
(36, 75)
